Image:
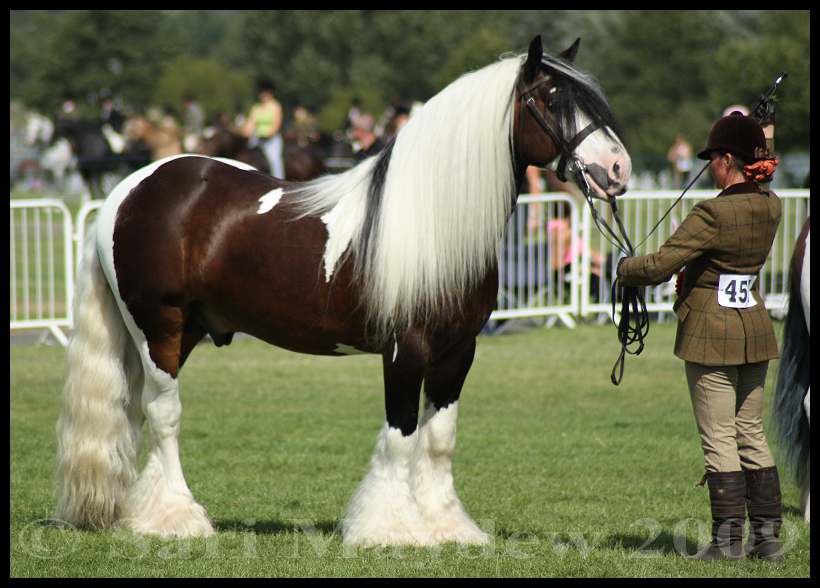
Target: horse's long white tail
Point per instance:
(98, 430)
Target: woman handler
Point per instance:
(725, 335)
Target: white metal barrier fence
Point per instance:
(553, 262)
(536, 273)
(45, 253)
(41, 266)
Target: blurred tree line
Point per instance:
(664, 72)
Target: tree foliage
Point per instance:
(85, 52)
(215, 87)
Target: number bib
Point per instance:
(735, 291)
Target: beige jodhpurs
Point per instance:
(728, 404)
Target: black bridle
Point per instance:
(567, 148)
(632, 298)
(576, 165)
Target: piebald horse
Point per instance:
(396, 257)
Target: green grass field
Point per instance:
(572, 476)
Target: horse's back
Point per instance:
(154, 201)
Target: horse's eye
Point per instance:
(552, 99)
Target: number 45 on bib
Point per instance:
(735, 291)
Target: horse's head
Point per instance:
(563, 121)
(134, 128)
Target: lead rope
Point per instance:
(631, 297)
(633, 305)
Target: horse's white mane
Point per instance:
(447, 195)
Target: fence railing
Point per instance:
(554, 265)
(41, 266)
(542, 234)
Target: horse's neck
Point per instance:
(160, 137)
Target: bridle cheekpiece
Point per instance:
(567, 148)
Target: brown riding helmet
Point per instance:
(737, 134)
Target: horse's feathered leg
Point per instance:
(383, 511)
(161, 502)
(431, 476)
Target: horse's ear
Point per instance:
(533, 64)
(570, 53)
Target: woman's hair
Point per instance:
(266, 85)
(738, 161)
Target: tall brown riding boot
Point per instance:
(765, 513)
(726, 493)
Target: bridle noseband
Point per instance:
(567, 148)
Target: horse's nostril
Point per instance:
(616, 171)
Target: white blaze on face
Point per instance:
(607, 155)
(269, 200)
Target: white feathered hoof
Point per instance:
(468, 533)
(382, 511)
(182, 520)
(378, 521)
(163, 506)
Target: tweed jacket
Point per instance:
(729, 234)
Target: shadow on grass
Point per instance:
(276, 527)
(640, 545)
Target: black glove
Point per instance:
(765, 111)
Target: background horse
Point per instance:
(790, 410)
(219, 141)
(301, 163)
(162, 143)
(397, 256)
(94, 154)
(55, 159)
(95, 158)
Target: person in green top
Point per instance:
(264, 125)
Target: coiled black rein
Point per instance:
(633, 308)
(633, 305)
